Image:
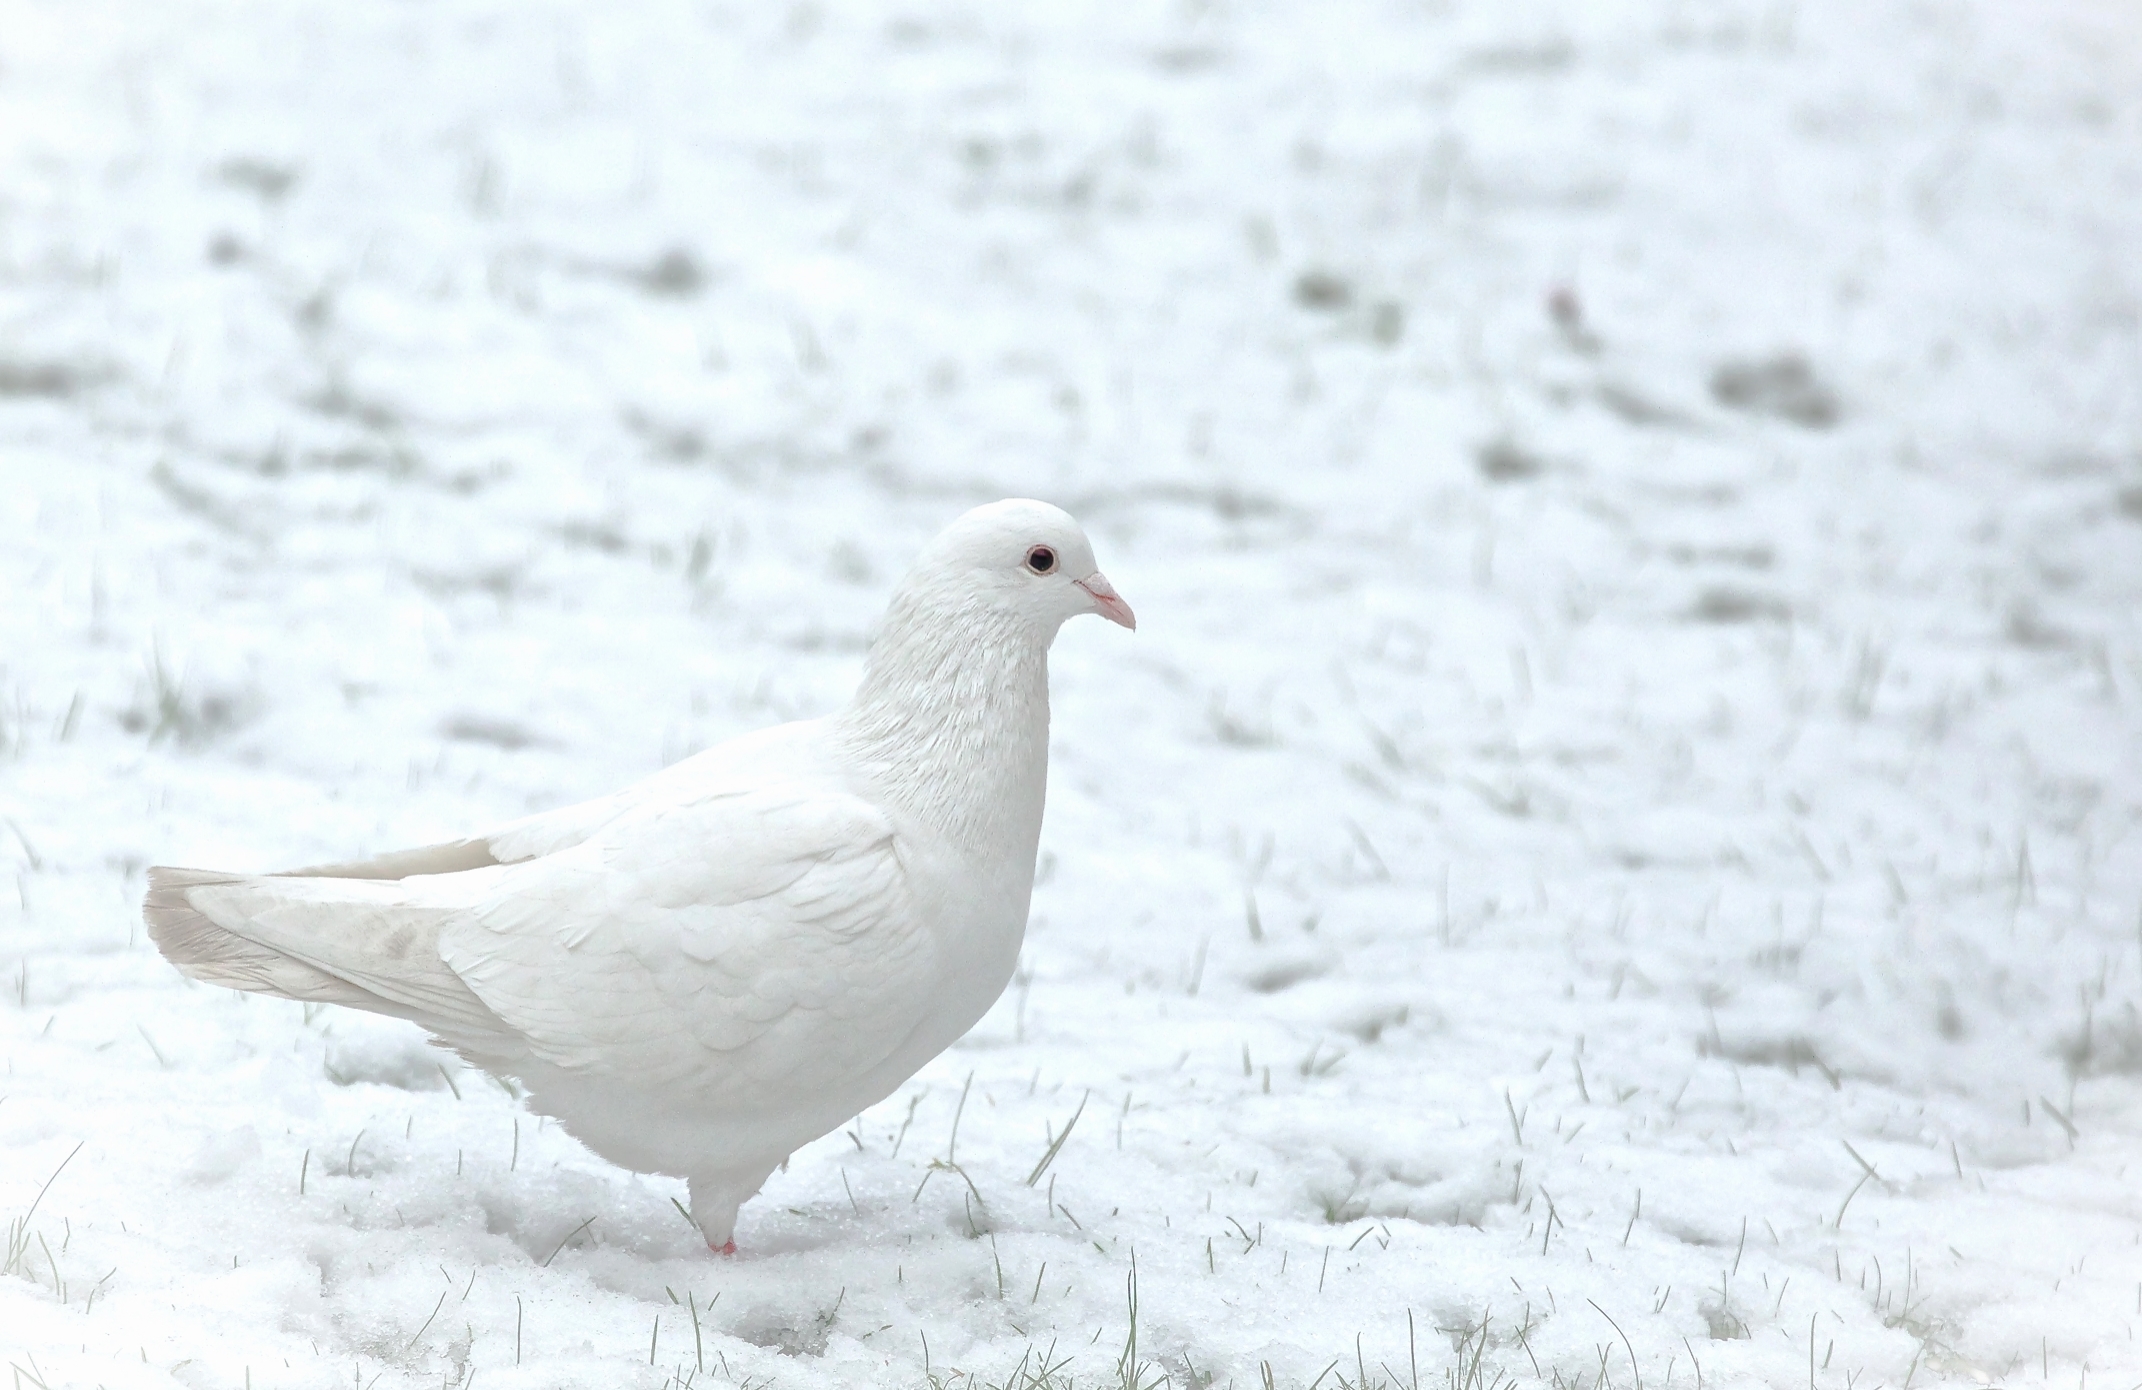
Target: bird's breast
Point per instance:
(974, 909)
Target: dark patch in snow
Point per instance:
(1237, 730)
(1323, 290)
(1502, 461)
(679, 443)
(1726, 604)
(263, 178)
(1227, 503)
(2027, 627)
(1566, 311)
(315, 311)
(337, 402)
(1387, 322)
(1188, 58)
(2105, 1046)
(1631, 405)
(499, 581)
(199, 501)
(1523, 60)
(1338, 1208)
(499, 733)
(1274, 976)
(774, 1331)
(675, 274)
(1784, 386)
(1369, 1024)
(166, 710)
(1248, 518)
(594, 535)
(54, 380)
(850, 564)
(815, 638)
(1791, 1052)
(1754, 557)
(1723, 1323)
(388, 462)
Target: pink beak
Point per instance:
(1106, 601)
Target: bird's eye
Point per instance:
(1041, 559)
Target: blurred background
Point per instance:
(1618, 828)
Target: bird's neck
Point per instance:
(951, 722)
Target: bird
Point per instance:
(704, 971)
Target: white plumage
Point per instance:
(701, 972)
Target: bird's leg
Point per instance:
(715, 1198)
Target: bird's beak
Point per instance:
(1106, 601)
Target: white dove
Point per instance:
(722, 962)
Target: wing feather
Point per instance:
(740, 764)
(705, 942)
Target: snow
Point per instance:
(1614, 849)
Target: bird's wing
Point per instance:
(755, 759)
(682, 934)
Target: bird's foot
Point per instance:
(727, 1249)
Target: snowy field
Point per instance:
(1614, 857)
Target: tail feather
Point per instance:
(324, 941)
(204, 951)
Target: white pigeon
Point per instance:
(722, 962)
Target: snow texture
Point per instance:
(1612, 856)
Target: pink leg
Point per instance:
(714, 1203)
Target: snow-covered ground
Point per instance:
(1614, 856)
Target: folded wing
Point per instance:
(775, 923)
(716, 942)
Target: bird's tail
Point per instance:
(369, 943)
(212, 954)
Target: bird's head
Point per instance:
(951, 719)
(1024, 558)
